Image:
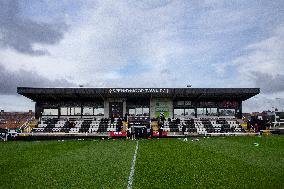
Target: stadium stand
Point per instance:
(103, 125)
(200, 126)
(111, 111)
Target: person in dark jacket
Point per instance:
(160, 130)
(112, 119)
(151, 132)
(132, 129)
(183, 129)
(248, 125)
(144, 132)
(126, 117)
(119, 124)
(128, 134)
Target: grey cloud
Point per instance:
(263, 102)
(269, 83)
(9, 81)
(21, 34)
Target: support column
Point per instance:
(124, 107)
(171, 108)
(59, 112)
(240, 111)
(106, 108)
(152, 108)
(38, 110)
(81, 109)
(195, 109)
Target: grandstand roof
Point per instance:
(38, 94)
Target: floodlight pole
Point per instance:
(275, 121)
(274, 118)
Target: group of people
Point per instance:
(146, 131)
(134, 132)
(142, 132)
(256, 125)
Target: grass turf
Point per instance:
(224, 162)
(68, 164)
(231, 162)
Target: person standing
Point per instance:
(132, 133)
(183, 129)
(160, 130)
(128, 134)
(119, 124)
(248, 125)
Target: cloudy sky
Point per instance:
(143, 43)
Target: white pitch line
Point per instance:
(132, 170)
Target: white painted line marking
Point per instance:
(132, 170)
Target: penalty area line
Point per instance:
(132, 170)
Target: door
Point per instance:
(116, 109)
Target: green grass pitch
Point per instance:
(223, 162)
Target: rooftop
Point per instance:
(38, 94)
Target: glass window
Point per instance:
(212, 111)
(99, 111)
(178, 112)
(131, 111)
(146, 111)
(64, 111)
(50, 112)
(201, 111)
(189, 112)
(72, 111)
(227, 112)
(139, 111)
(180, 103)
(88, 111)
(77, 111)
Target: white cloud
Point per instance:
(264, 102)
(263, 58)
(177, 42)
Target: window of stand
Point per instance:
(201, 111)
(64, 111)
(187, 112)
(212, 112)
(207, 112)
(75, 111)
(227, 112)
(70, 111)
(50, 111)
(178, 112)
(99, 111)
(146, 111)
(88, 111)
(131, 111)
(139, 111)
